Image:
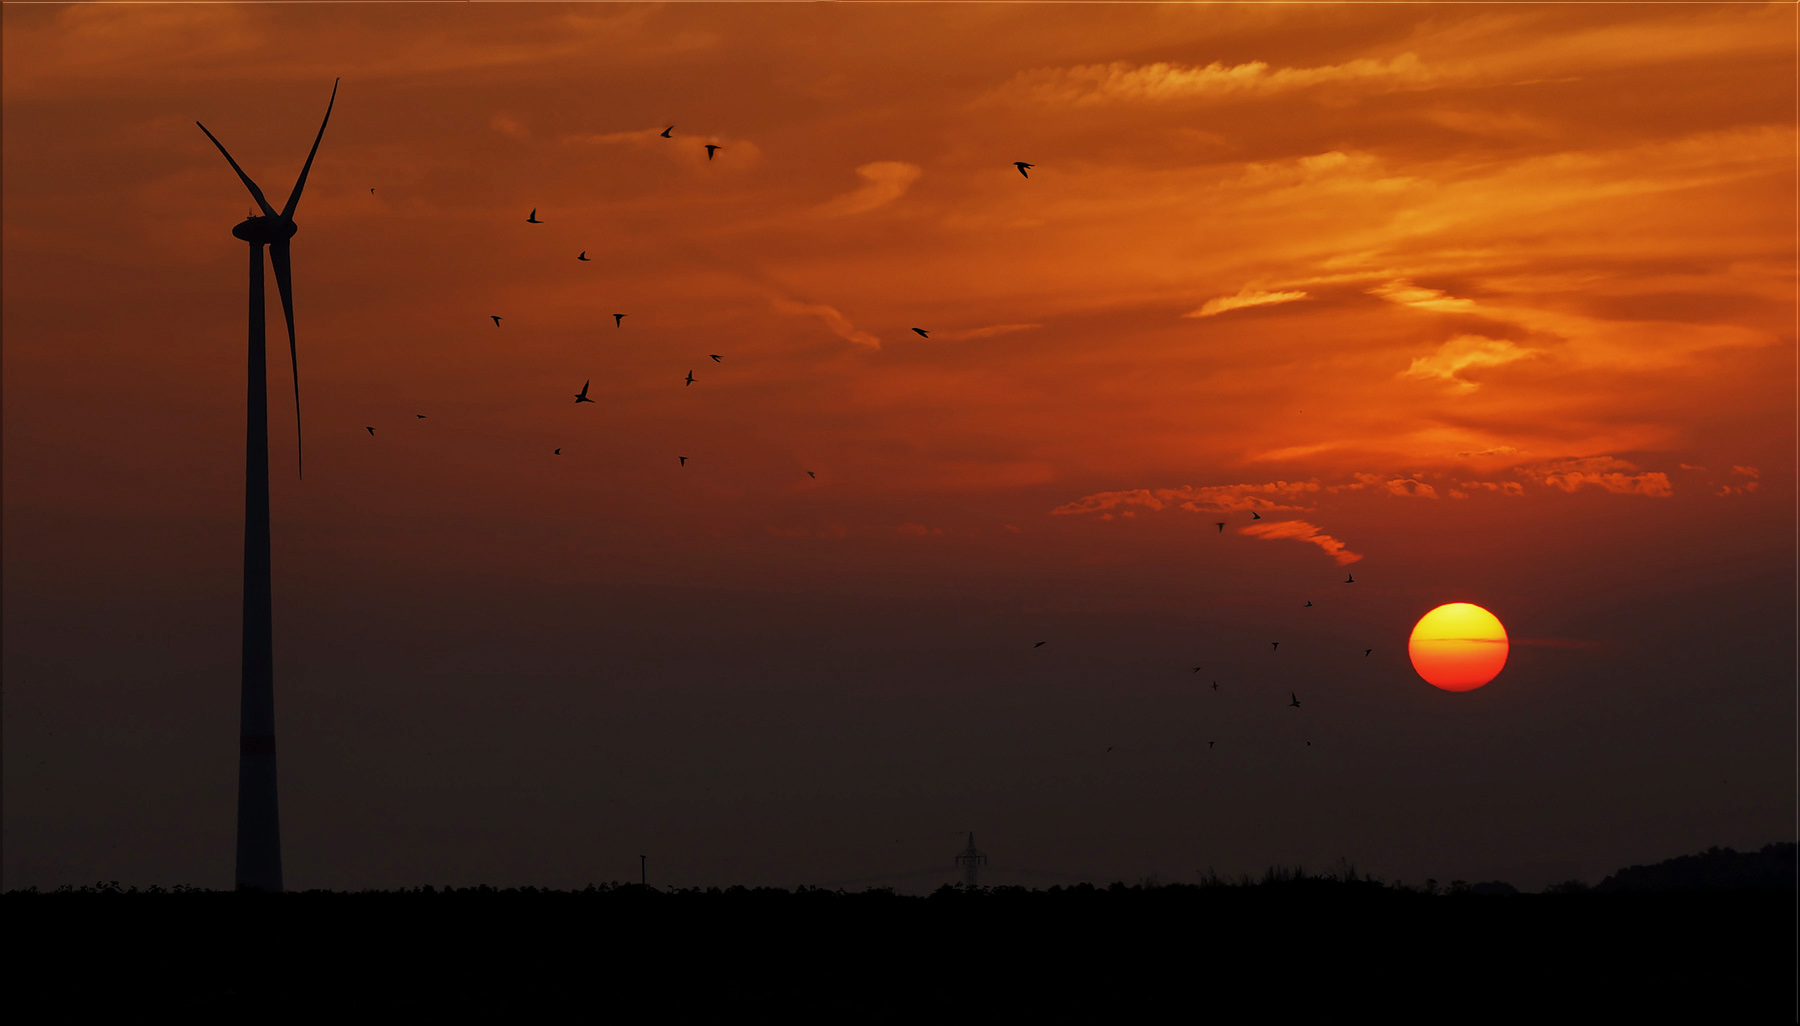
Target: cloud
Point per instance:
(506, 124)
(1091, 85)
(1498, 450)
(883, 182)
(1461, 353)
(1745, 471)
(1245, 297)
(1407, 294)
(1209, 499)
(837, 322)
(640, 137)
(1410, 488)
(1603, 472)
(1300, 530)
(970, 334)
(1503, 487)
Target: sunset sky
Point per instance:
(1483, 303)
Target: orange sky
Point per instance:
(1484, 303)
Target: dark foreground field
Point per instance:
(1276, 951)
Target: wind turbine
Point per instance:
(258, 815)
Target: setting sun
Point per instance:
(1458, 646)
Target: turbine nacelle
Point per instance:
(265, 231)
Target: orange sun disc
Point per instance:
(1458, 647)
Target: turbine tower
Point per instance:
(258, 814)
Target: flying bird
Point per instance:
(1220, 524)
(1309, 602)
(371, 191)
(666, 131)
(715, 357)
(421, 416)
(618, 320)
(1296, 700)
(1366, 652)
(583, 255)
(1215, 685)
(496, 318)
(690, 377)
(533, 219)
(581, 396)
(712, 148)
(1349, 578)
(1197, 669)
(1254, 515)
(683, 460)
(558, 452)
(811, 474)
(1108, 749)
(922, 332)
(1209, 744)
(1021, 165)
(371, 431)
(1273, 645)
(1038, 645)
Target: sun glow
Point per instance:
(1458, 647)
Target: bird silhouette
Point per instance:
(1254, 515)
(1197, 669)
(1038, 645)
(496, 318)
(1349, 578)
(533, 219)
(666, 131)
(1220, 524)
(581, 396)
(1273, 645)
(371, 431)
(421, 416)
(690, 377)
(683, 460)
(1309, 744)
(1215, 685)
(1296, 700)
(618, 320)
(583, 255)
(1366, 651)
(1309, 602)
(811, 474)
(371, 192)
(1209, 744)
(716, 358)
(558, 452)
(712, 148)
(1108, 749)
(1021, 165)
(922, 332)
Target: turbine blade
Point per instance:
(287, 212)
(278, 256)
(267, 210)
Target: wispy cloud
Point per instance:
(970, 334)
(829, 315)
(1245, 297)
(1462, 353)
(1209, 499)
(1300, 530)
(1602, 472)
(1123, 82)
(1407, 294)
(884, 181)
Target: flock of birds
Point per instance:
(619, 321)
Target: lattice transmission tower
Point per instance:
(971, 860)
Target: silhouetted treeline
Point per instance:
(1715, 869)
(1284, 945)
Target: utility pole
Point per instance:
(969, 859)
(644, 872)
